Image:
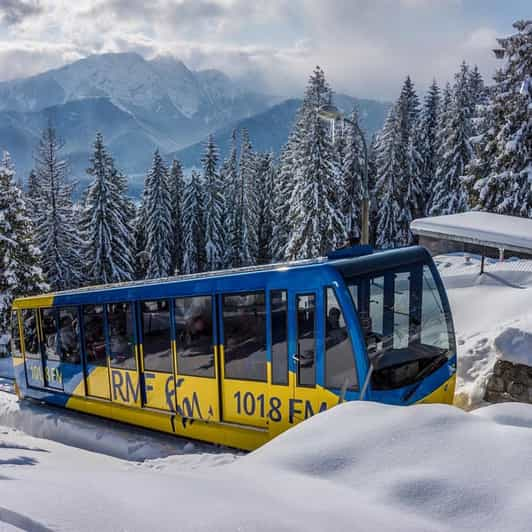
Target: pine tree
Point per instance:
(193, 235)
(176, 187)
(316, 222)
(387, 192)
(19, 270)
(429, 141)
(247, 209)
(229, 178)
(353, 179)
(213, 208)
(410, 161)
(105, 223)
(282, 192)
(399, 189)
(500, 175)
(454, 150)
(266, 174)
(55, 227)
(158, 219)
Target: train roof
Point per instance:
(353, 261)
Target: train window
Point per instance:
(401, 309)
(244, 317)
(376, 305)
(15, 336)
(353, 290)
(194, 342)
(94, 336)
(31, 338)
(69, 348)
(279, 328)
(49, 331)
(434, 328)
(306, 339)
(121, 341)
(156, 341)
(340, 371)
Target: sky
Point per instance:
(366, 47)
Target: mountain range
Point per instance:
(140, 105)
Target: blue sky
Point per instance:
(366, 47)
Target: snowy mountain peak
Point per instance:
(129, 81)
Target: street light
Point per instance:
(331, 112)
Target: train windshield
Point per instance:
(408, 333)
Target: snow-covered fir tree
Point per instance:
(158, 219)
(387, 190)
(55, 227)
(454, 149)
(213, 201)
(266, 174)
(176, 187)
(247, 209)
(411, 164)
(193, 226)
(19, 270)
(501, 172)
(229, 179)
(429, 141)
(399, 189)
(105, 222)
(139, 237)
(353, 179)
(315, 216)
(282, 192)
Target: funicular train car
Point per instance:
(236, 357)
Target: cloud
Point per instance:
(366, 47)
(15, 11)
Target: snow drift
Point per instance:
(359, 466)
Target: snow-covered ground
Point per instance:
(360, 466)
(492, 316)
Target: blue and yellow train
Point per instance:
(236, 357)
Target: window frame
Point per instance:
(356, 387)
(171, 327)
(107, 334)
(315, 338)
(80, 334)
(287, 333)
(84, 335)
(38, 354)
(15, 315)
(223, 334)
(212, 297)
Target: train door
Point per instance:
(33, 363)
(197, 392)
(51, 360)
(156, 341)
(307, 347)
(96, 362)
(245, 390)
(121, 341)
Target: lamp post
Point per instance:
(331, 112)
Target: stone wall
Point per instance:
(509, 382)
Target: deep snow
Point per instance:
(360, 466)
(492, 316)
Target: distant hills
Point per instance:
(139, 105)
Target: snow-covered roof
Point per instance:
(482, 228)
